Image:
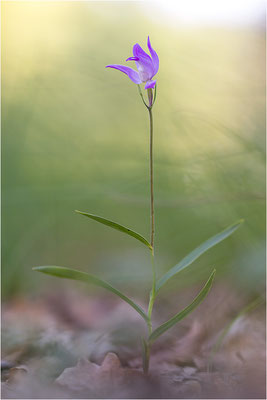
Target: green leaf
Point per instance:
(182, 314)
(191, 257)
(119, 227)
(218, 344)
(69, 273)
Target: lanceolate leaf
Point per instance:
(69, 273)
(114, 225)
(219, 342)
(191, 257)
(182, 314)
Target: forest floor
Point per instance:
(70, 345)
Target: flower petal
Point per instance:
(150, 84)
(145, 64)
(132, 59)
(132, 74)
(154, 56)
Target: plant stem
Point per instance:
(146, 356)
(152, 293)
(152, 233)
(152, 216)
(149, 313)
(146, 344)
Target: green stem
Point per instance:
(152, 234)
(146, 345)
(153, 291)
(152, 214)
(146, 354)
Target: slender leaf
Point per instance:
(114, 225)
(187, 310)
(69, 273)
(191, 257)
(218, 344)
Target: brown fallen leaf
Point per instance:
(16, 374)
(109, 380)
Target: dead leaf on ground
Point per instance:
(108, 380)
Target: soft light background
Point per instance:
(75, 136)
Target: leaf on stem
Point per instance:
(116, 226)
(69, 273)
(182, 314)
(191, 257)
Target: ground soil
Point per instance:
(70, 345)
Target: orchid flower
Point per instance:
(147, 66)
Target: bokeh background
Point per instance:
(75, 136)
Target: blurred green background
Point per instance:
(75, 136)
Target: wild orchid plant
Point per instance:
(147, 68)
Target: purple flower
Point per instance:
(147, 66)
